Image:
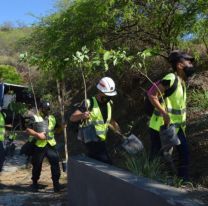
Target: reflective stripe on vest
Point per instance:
(172, 111)
(96, 118)
(176, 106)
(2, 127)
(51, 140)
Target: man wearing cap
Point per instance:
(173, 110)
(41, 131)
(99, 115)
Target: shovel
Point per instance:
(131, 144)
(59, 148)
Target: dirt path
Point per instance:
(16, 179)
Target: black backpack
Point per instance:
(74, 126)
(148, 107)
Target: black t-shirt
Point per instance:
(103, 109)
(165, 83)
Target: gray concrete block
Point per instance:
(93, 183)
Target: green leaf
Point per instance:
(81, 57)
(66, 59)
(115, 61)
(78, 54)
(86, 57)
(140, 65)
(84, 48)
(22, 56)
(106, 56)
(96, 62)
(146, 53)
(106, 66)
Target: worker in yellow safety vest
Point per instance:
(42, 130)
(173, 110)
(2, 134)
(99, 114)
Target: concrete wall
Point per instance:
(92, 183)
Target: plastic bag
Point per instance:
(87, 133)
(41, 126)
(168, 136)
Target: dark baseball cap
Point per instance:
(177, 56)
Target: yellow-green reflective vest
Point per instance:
(176, 106)
(51, 126)
(2, 127)
(96, 118)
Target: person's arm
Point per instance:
(78, 115)
(33, 133)
(114, 126)
(154, 99)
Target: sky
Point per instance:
(20, 10)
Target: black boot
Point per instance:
(34, 187)
(57, 187)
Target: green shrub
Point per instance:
(18, 107)
(9, 74)
(141, 165)
(198, 99)
(155, 169)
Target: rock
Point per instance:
(10, 168)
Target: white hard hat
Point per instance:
(107, 86)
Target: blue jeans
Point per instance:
(183, 152)
(2, 155)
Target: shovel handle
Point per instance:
(119, 133)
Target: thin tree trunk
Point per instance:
(205, 43)
(61, 94)
(63, 118)
(33, 91)
(85, 88)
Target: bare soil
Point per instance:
(15, 183)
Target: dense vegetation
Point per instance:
(133, 26)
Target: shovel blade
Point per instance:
(132, 144)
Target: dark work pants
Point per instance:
(2, 155)
(37, 160)
(98, 151)
(182, 149)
